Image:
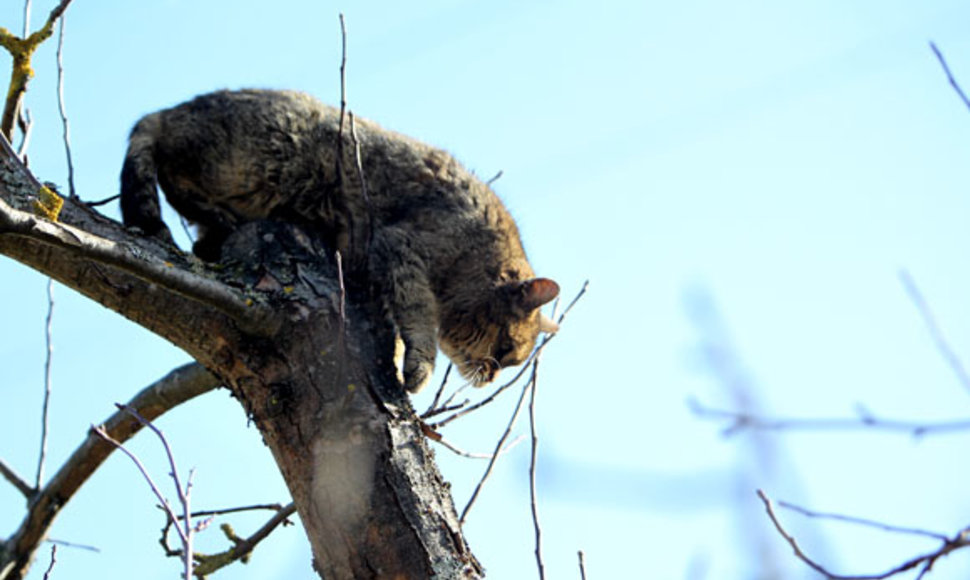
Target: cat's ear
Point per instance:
(536, 292)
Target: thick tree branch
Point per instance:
(68, 249)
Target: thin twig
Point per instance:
(247, 508)
(63, 109)
(184, 493)
(936, 333)
(494, 178)
(343, 100)
(446, 407)
(862, 522)
(242, 547)
(359, 164)
(498, 447)
(26, 18)
(50, 567)
(924, 562)
(48, 363)
(582, 565)
(100, 431)
(447, 404)
(186, 531)
(949, 75)
(74, 545)
(532, 469)
(357, 159)
(438, 438)
(438, 393)
(104, 201)
(741, 421)
(25, 122)
(20, 483)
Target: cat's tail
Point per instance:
(139, 196)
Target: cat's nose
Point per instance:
(487, 371)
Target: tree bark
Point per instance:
(306, 353)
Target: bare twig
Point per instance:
(357, 160)
(186, 531)
(582, 565)
(101, 432)
(74, 545)
(104, 201)
(924, 562)
(242, 546)
(10, 475)
(936, 333)
(861, 521)
(438, 438)
(446, 407)
(498, 447)
(26, 124)
(865, 420)
(438, 393)
(50, 567)
(949, 75)
(494, 178)
(48, 361)
(343, 99)
(63, 109)
(27, 4)
(532, 469)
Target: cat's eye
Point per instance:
(502, 351)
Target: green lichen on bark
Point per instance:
(21, 50)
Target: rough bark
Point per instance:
(307, 354)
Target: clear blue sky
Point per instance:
(777, 162)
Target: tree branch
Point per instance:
(172, 390)
(738, 422)
(20, 483)
(82, 237)
(242, 547)
(925, 562)
(949, 76)
(936, 333)
(21, 50)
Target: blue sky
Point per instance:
(772, 164)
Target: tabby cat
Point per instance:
(442, 249)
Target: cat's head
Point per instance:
(499, 331)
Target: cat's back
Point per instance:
(234, 117)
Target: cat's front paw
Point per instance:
(417, 374)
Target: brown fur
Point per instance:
(441, 247)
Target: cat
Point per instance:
(441, 247)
